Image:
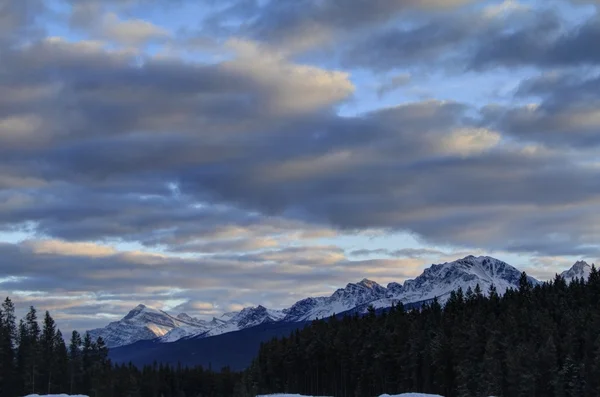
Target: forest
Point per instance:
(538, 340)
(532, 341)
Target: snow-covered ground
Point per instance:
(285, 395)
(411, 395)
(54, 395)
(383, 395)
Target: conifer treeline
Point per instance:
(535, 341)
(36, 360)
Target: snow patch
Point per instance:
(383, 395)
(411, 395)
(55, 395)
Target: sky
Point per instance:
(203, 156)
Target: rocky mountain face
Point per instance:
(145, 323)
(579, 270)
(342, 300)
(141, 323)
(437, 281)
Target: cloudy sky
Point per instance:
(206, 155)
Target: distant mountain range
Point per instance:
(144, 323)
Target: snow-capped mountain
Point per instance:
(185, 331)
(342, 300)
(141, 323)
(246, 318)
(579, 270)
(437, 281)
(145, 323)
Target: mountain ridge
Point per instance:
(436, 281)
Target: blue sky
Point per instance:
(311, 145)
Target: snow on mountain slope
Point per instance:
(383, 395)
(246, 318)
(141, 323)
(579, 270)
(439, 280)
(411, 395)
(436, 281)
(145, 323)
(342, 300)
(185, 331)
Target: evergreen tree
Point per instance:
(61, 364)
(537, 341)
(87, 364)
(48, 353)
(75, 363)
(31, 338)
(8, 334)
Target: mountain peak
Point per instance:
(365, 282)
(580, 265)
(580, 269)
(136, 311)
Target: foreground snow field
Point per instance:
(383, 395)
(411, 395)
(55, 395)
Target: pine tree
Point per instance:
(8, 334)
(99, 378)
(31, 338)
(61, 364)
(87, 364)
(75, 363)
(547, 368)
(47, 344)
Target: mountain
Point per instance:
(342, 300)
(579, 270)
(145, 323)
(185, 331)
(246, 318)
(437, 281)
(141, 323)
(233, 349)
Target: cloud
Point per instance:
(546, 43)
(239, 174)
(480, 39)
(62, 280)
(132, 32)
(565, 113)
(402, 253)
(397, 81)
(469, 141)
(65, 248)
(299, 26)
(236, 245)
(258, 134)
